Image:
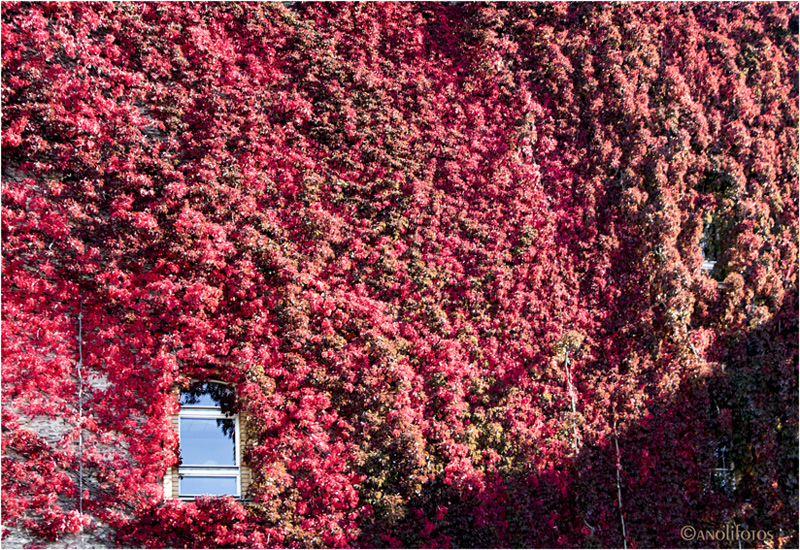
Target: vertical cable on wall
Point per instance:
(80, 421)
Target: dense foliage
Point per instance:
(448, 254)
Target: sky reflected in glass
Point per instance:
(208, 442)
(208, 485)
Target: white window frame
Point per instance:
(193, 470)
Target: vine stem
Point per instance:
(575, 436)
(619, 490)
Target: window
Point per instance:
(209, 442)
(723, 477)
(709, 244)
(719, 190)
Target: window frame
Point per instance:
(194, 470)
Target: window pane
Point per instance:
(208, 441)
(208, 394)
(208, 485)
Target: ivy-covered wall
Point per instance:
(448, 254)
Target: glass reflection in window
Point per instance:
(208, 441)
